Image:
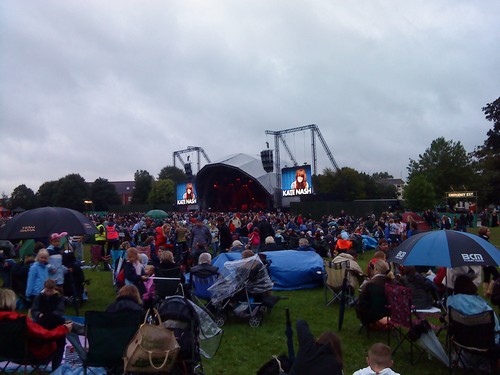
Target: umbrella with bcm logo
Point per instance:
(445, 248)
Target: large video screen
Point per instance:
(186, 193)
(296, 181)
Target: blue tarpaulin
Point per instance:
(290, 269)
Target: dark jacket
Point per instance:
(372, 303)
(313, 358)
(124, 304)
(204, 270)
(133, 277)
(423, 290)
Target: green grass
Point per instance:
(244, 349)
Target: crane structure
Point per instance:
(199, 151)
(278, 136)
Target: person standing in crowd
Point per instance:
(100, 237)
(225, 237)
(112, 236)
(200, 239)
(76, 243)
(37, 275)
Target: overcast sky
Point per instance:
(105, 88)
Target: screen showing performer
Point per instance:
(186, 193)
(296, 181)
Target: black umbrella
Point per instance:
(42, 222)
(445, 248)
(289, 337)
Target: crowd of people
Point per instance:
(189, 242)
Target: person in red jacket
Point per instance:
(42, 343)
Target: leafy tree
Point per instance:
(162, 192)
(173, 173)
(71, 192)
(143, 184)
(419, 194)
(23, 196)
(381, 176)
(45, 194)
(488, 156)
(445, 164)
(103, 195)
(348, 184)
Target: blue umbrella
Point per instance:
(445, 248)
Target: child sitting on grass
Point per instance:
(379, 361)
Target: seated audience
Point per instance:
(379, 361)
(371, 264)
(424, 293)
(48, 307)
(270, 244)
(372, 304)
(355, 272)
(204, 268)
(42, 343)
(467, 301)
(317, 357)
(237, 247)
(128, 299)
(304, 245)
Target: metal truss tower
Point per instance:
(199, 151)
(278, 136)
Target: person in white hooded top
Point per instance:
(379, 361)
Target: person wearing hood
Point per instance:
(379, 361)
(317, 357)
(355, 272)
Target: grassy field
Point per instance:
(244, 349)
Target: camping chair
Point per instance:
(402, 315)
(96, 257)
(335, 277)
(167, 282)
(115, 256)
(107, 335)
(199, 289)
(472, 334)
(14, 348)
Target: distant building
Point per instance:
(399, 184)
(124, 190)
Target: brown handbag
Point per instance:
(154, 348)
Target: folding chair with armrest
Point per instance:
(336, 275)
(199, 289)
(402, 315)
(106, 338)
(473, 334)
(14, 348)
(167, 282)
